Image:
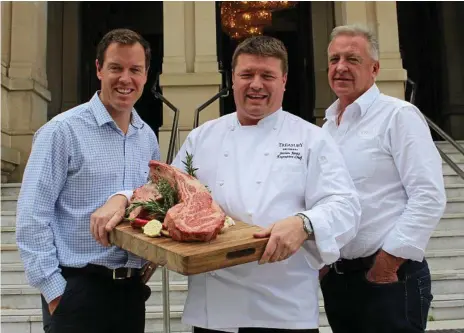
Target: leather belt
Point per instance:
(91, 269)
(343, 266)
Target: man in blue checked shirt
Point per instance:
(78, 160)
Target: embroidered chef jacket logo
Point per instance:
(290, 150)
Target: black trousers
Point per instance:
(97, 304)
(257, 330)
(355, 305)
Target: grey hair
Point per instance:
(358, 30)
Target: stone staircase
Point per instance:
(21, 306)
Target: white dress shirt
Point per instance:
(397, 171)
(261, 174)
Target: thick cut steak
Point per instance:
(144, 193)
(196, 217)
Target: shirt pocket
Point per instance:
(288, 177)
(361, 155)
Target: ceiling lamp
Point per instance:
(241, 19)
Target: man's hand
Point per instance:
(286, 237)
(105, 218)
(53, 304)
(384, 268)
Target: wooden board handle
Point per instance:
(241, 253)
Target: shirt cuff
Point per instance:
(53, 287)
(128, 194)
(394, 246)
(324, 249)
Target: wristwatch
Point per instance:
(307, 225)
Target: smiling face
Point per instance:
(123, 76)
(259, 85)
(352, 71)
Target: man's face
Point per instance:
(122, 76)
(352, 71)
(259, 85)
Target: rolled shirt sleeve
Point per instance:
(334, 208)
(420, 168)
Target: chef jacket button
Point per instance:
(226, 154)
(275, 128)
(258, 182)
(221, 183)
(266, 154)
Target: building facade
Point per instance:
(48, 60)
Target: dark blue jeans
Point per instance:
(355, 305)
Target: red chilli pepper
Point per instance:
(138, 223)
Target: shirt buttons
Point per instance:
(266, 154)
(258, 182)
(221, 183)
(226, 154)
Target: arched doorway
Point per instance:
(293, 27)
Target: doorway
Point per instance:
(293, 27)
(146, 18)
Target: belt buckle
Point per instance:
(334, 265)
(128, 275)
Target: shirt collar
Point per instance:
(267, 122)
(363, 102)
(102, 115)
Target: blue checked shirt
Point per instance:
(78, 160)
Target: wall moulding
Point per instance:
(19, 84)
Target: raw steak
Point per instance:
(196, 217)
(144, 193)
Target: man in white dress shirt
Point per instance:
(382, 283)
(267, 167)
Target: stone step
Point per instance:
(454, 190)
(10, 189)
(454, 205)
(8, 235)
(445, 259)
(446, 239)
(452, 179)
(8, 218)
(30, 320)
(447, 307)
(26, 297)
(447, 282)
(9, 202)
(14, 282)
(10, 254)
(451, 222)
(13, 274)
(456, 157)
(447, 168)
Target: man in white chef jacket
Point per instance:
(267, 167)
(382, 283)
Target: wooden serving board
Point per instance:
(234, 247)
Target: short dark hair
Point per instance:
(263, 46)
(124, 37)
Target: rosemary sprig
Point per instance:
(158, 209)
(189, 165)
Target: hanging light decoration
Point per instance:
(241, 19)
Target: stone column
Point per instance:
(190, 72)
(24, 80)
(381, 18)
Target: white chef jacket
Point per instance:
(397, 171)
(261, 174)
